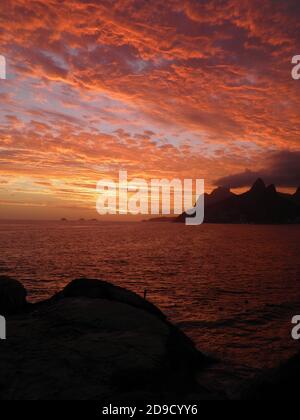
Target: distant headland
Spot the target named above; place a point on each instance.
(260, 205)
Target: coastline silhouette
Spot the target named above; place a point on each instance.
(260, 205)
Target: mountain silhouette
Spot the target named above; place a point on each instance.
(258, 188)
(219, 194)
(260, 205)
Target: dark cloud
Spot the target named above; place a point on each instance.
(281, 168)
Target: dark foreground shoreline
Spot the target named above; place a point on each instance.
(97, 341)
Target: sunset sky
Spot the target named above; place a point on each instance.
(162, 89)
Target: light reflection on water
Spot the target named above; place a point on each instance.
(234, 289)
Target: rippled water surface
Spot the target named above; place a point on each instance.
(234, 289)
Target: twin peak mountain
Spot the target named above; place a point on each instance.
(259, 205)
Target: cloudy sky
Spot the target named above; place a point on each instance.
(177, 88)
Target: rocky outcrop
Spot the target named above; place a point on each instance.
(12, 296)
(281, 384)
(99, 289)
(96, 341)
(296, 196)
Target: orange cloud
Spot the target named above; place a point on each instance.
(158, 88)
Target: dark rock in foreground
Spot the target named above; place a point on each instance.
(95, 341)
(99, 289)
(12, 296)
(279, 384)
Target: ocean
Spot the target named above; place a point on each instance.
(232, 288)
